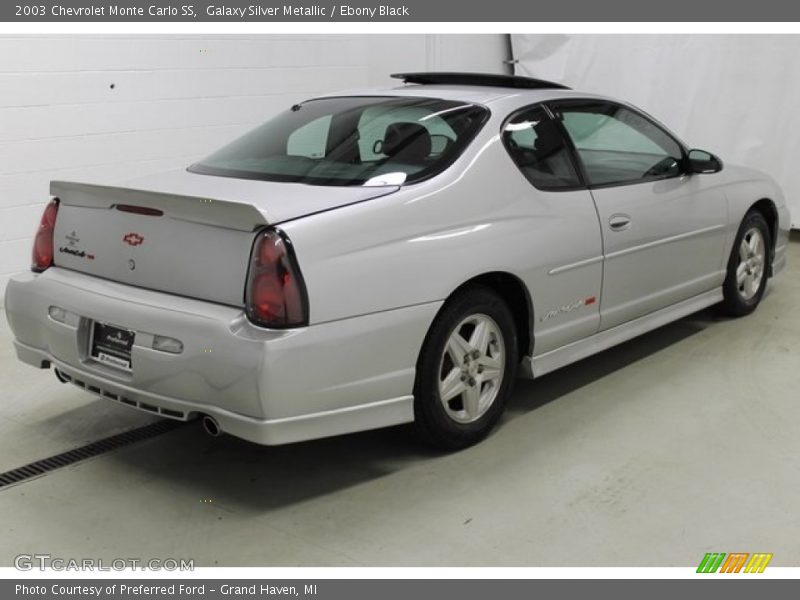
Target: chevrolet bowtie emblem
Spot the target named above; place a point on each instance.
(133, 239)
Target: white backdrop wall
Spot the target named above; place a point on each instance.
(735, 95)
(110, 108)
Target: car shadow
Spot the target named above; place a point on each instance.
(240, 475)
(532, 394)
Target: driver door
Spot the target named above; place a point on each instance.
(663, 231)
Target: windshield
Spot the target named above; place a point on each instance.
(350, 141)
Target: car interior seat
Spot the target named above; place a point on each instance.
(408, 143)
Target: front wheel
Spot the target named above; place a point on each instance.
(465, 370)
(748, 267)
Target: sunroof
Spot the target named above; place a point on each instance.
(481, 79)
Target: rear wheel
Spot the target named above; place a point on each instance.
(465, 370)
(747, 267)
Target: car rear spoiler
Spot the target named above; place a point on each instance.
(232, 215)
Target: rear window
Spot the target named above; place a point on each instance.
(349, 141)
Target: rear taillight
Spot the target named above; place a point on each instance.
(275, 295)
(43, 240)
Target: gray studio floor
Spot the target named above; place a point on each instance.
(684, 441)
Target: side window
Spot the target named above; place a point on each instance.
(310, 140)
(537, 147)
(618, 145)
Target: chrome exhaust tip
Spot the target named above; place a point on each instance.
(211, 426)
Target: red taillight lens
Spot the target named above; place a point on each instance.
(43, 240)
(276, 294)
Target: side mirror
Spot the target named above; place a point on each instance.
(701, 161)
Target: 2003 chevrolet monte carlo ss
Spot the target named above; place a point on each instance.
(389, 256)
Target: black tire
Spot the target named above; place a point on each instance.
(432, 420)
(736, 303)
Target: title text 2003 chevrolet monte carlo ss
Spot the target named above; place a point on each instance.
(389, 256)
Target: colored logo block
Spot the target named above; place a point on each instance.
(735, 562)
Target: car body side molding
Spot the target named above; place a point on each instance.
(537, 366)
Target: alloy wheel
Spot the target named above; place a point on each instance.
(752, 258)
(471, 369)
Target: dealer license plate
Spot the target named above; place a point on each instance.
(112, 346)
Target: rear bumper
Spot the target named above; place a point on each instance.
(267, 386)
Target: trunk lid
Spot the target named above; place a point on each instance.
(196, 243)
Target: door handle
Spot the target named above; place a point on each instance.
(619, 222)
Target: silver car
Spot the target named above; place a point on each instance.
(388, 256)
